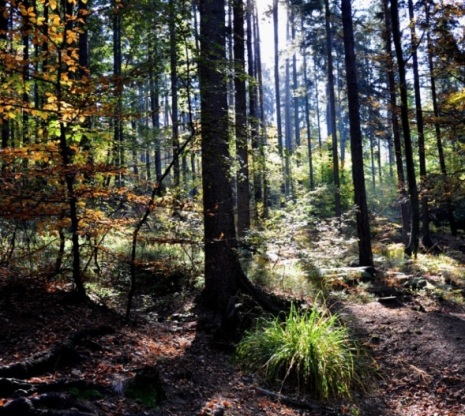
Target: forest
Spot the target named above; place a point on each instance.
(232, 207)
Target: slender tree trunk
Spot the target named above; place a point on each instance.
(155, 114)
(287, 123)
(243, 197)
(262, 120)
(4, 122)
(412, 248)
(253, 113)
(295, 98)
(437, 127)
(425, 231)
(69, 178)
(307, 117)
(332, 105)
(372, 160)
(363, 224)
(317, 108)
(117, 71)
(230, 43)
(393, 111)
(26, 77)
(174, 89)
(278, 92)
(378, 160)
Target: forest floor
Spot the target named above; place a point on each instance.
(416, 340)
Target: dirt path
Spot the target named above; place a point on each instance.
(418, 345)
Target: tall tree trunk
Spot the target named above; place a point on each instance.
(262, 120)
(287, 123)
(243, 197)
(69, 177)
(222, 267)
(425, 231)
(230, 43)
(363, 225)
(253, 113)
(412, 248)
(174, 89)
(4, 121)
(332, 111)
(278, 92)
(295, 97)
(155, 112)
(26, 77)
(117, 72)
(317, 107)
(437, 127)
(307, 116)
(403, 196)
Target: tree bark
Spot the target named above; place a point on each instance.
(117, 72)
(425, 231)
(174, 89)
(332, 111)
(393, 111)
(277, 83)
(363, 225)
(412, 248)
(254, 123)
(222, 267)
(307, 116)
(243, 194)
(437, 127)
(262, 142)
(4, 122)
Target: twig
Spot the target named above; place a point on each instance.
(297, 403)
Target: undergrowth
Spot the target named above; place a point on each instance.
(310, 350)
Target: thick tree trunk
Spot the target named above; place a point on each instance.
(363, 225)
(222, 267)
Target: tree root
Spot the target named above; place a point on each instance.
(50, 399)
(61, 355)
(297, 403)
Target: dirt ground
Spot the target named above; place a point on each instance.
(416, 342)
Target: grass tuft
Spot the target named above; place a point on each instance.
(309, 350)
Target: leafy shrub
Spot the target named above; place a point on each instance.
(309, 349)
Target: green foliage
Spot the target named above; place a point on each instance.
(310, 350)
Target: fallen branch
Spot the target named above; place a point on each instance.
(297, 403)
